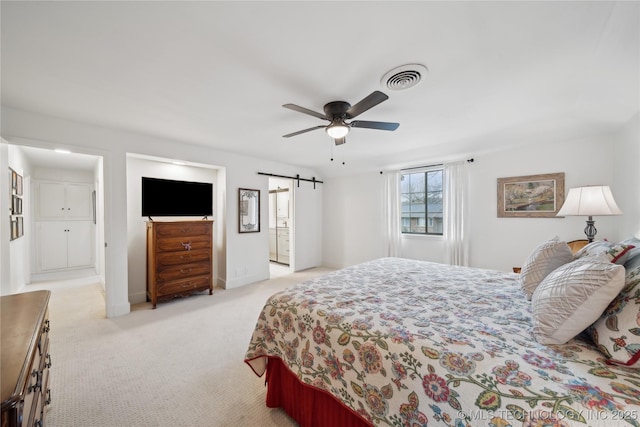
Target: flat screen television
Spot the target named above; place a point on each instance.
(165, 197)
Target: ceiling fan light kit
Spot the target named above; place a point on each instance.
(337, 129)
(337, 112)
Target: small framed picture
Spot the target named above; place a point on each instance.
(19, 184)
(14, 179)
(16, 205)
(14, 228)
(20, 226)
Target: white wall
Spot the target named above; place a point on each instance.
(627, 177)
(5, 232)
(136, 223)
(353, 223)
(100, 266)
(353, 219)
(19, 249)
(246, 255)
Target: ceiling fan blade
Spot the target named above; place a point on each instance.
(370, 101)
(303, 131)
(340, 141)
(374, 125)
(300, 109)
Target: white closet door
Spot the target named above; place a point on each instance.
(52, 239)
(78, 201)
(79, 244)
(51, 204)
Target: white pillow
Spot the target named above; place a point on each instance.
(574, 296)
(545, 258)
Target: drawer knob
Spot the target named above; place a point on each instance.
(186, 246)
(48, 362)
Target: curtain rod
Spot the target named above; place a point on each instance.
(422, 167)
(297, 177)
(431, 166)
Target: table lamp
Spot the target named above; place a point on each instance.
(589, 201)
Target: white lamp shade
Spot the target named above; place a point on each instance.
(592, 200)
(337, 130)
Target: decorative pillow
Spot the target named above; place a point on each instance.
(543, 260)
(617, 252)
(633, 257)
(632, 263)
(617, 332)
(573, 296)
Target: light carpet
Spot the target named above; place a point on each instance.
(178, 365)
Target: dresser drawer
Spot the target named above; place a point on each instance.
(33, 390)
(186, 243)
(177, 229)
(183, 271)
(186, 285)
(183, 257)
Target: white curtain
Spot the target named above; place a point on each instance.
(392, 214)
(455, 207)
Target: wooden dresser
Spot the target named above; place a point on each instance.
(179, 259)
(25, 358)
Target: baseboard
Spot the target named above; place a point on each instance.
(236, 282)
(65, 275)
(138, 298)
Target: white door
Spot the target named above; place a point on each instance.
(79, 244)
(51, 203)
(78, 201)
(52, 242)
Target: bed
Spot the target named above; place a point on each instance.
(412, 343)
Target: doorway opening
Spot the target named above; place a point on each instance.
(280, 226)
(63, 217)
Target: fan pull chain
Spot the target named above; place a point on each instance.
(333, 158)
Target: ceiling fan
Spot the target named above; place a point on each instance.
(337, 112)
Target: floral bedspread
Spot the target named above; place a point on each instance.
(414, 343)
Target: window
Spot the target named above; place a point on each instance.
(421, 200)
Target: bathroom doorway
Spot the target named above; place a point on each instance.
(280, 226)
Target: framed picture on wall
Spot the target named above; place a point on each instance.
(13, 178)
(19, 184)
(531, 196)
(248, 210)
(19, 226)
(14, 228)
(16, 205)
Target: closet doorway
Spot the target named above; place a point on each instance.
(280, 225)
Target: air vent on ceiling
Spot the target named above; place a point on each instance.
(403, 77)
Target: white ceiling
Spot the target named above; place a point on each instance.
(217, 73)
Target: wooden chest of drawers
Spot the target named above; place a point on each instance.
(25, 358)
(179, 259)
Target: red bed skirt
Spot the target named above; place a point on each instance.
(308, 406)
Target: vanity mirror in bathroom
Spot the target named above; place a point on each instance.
(249, 210)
